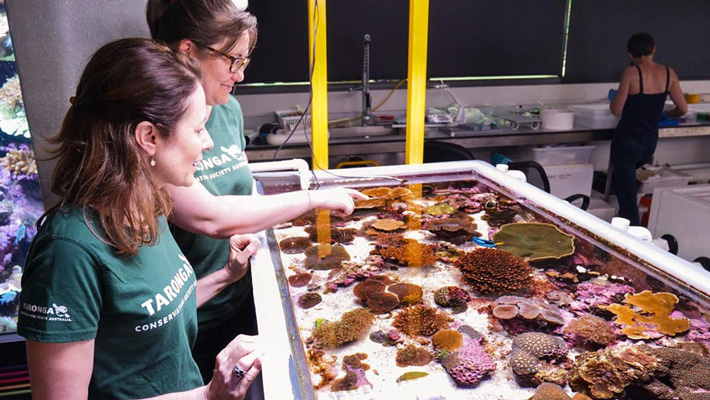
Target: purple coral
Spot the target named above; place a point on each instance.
(593, 294)
(469, 364)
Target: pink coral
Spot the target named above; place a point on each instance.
(469, 364)
(592, 294)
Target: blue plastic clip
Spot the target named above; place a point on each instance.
(484, 242)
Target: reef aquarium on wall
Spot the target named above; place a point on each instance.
(456, 281)
(20, 197)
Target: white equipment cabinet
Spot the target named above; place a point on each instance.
(684, 213)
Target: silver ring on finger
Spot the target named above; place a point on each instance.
(238, 372)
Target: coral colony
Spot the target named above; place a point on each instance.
(456, 287)
(20, 198)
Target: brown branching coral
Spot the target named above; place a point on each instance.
(605, 374)
(325, 256)
(652, 319)
(352, 326)
(494, 271)
(405, 252)
(589, 329)
(420, 320)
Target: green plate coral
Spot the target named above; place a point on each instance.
(534, 241)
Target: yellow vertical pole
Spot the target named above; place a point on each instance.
(319, 82)
(416, 80)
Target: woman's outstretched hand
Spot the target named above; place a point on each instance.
(338, 200)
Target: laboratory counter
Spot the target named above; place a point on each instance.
(505, 137)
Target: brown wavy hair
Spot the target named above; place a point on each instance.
(204, 22)
(100, 167)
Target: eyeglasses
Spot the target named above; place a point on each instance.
(235, 63)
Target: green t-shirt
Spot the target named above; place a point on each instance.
(223, 171)
(141, 310)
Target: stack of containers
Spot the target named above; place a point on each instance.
(568, 169)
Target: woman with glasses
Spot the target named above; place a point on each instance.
(109, 303)
(220, 37)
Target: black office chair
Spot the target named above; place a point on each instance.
(527, 166)
(438, 151)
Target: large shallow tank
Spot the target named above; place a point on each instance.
(457, 281)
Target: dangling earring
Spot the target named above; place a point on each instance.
(152, 162)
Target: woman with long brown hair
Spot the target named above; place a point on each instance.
(108, 302)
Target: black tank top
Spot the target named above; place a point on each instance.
(642, 112)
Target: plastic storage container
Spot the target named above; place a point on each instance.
(568, 179)
(601, 209)
(288, 119)
(557, 120)
(559, 155)
(596, 116)
(664, 177)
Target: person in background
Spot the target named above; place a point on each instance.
(109, 302)
(640, 99)
(221, 37)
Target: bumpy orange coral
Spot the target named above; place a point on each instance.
(494, 271)
(420, 320)
(352, 326)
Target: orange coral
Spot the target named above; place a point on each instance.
(447, 339)
(352, 326)
(407, 293)
(388, 225)
(494, 271)
(653, 317)
(406, 252)
(413, 355)
(420, 320)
